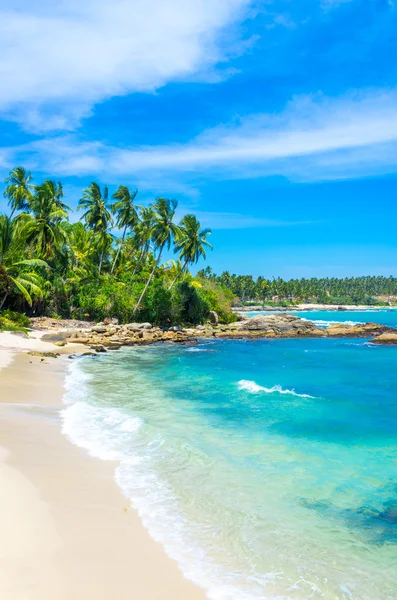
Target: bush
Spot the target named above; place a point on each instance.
(218, 298)
(188, 305)
(15, 317)
(157, 304)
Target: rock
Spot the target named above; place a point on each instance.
(360, 330)
(114, 345)
(386, 339)
(44, 354)
(175, 328)
(242, 317)
(60, 336)
(80, 340)
(60, 344)
(111, 321)
(283, 325)
(98, 347)
(137, 326)
(98, 329)
(88, 354)
(214, 319)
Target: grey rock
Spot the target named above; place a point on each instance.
(59, 336)
(98, 329)
(214, 317)
(111, 321)
(138, 326)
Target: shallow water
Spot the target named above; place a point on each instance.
(324, 318)
(268, 469)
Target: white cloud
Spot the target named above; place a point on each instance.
(313, 138)
(74, 54)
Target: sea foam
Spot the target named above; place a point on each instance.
(254, 388)
(110, 433)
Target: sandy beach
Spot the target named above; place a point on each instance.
(67, 531)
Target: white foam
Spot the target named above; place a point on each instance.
(254, 388)
(323, 323)
(111, 434)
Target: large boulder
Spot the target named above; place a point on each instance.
(389, 339)
(279, 324)
(138, 326)
(59, 336)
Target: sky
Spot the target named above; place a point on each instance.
(274, 121)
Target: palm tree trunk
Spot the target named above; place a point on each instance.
(149, 280)
(177, 275)
(101, 262)
(3, 300)
(119, 250)
(140, 258)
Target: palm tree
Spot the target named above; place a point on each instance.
(143, 232)
(14, 273)
(191, 242)
(127, 216)
(45, 226)
(97, 215)
(163, 230)
(19, 189)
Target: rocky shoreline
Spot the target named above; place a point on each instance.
(102, 337)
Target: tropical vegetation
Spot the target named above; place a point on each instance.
(114, 261)
(369, 290)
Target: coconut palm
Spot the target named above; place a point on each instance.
(163, 231)
(191, 243)
(15, 273)
(19, 189)
(97, 214)
(142, 233)
(127, 215)
(44, 227)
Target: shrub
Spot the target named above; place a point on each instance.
(188, 305)
(218, 298)
(16, 317)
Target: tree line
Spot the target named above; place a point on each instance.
(49, 265)
(329, 290)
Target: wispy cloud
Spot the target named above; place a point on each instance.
(313, 138)
(58, 59)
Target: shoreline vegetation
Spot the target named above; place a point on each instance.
(113, 264)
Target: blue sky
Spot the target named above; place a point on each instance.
(274, 121)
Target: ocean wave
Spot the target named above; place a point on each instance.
(254, 388)
(323, 323)
(110, 433)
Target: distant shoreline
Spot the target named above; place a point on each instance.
(312, 307)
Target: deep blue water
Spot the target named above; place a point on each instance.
(268, 469)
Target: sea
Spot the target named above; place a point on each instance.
(267, 469)
(325, 318)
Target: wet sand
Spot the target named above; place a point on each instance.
(67, 531)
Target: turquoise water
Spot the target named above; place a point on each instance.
(268, 469)
(323, 318)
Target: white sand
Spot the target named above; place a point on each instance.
(67, 533)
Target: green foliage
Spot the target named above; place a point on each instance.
(189, 306)
(16, 317)
(218, 298)
(158, 305)
(277, 292)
